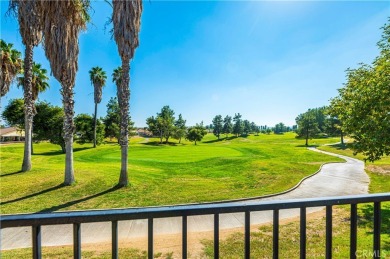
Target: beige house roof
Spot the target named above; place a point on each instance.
(11, 132)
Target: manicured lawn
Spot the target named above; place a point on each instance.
(159, 174)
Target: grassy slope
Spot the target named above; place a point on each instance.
(159, 174)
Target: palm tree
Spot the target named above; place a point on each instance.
(30, 28)
(62, 24)
(11, 64)
(126, 17)
(39, 83)
(98, 79)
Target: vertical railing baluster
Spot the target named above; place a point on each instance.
(36, 242)
(184, 237)
(353, 234)
(276, 234)
(76, 241)
(377, 229)
(114, 239)
(247, 234)
(150, 238)
(302, 235)
(216, 235)
(328, 252)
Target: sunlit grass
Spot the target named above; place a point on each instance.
(159, 174)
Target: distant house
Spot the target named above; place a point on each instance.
(11, 134)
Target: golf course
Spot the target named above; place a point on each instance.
(213, 170)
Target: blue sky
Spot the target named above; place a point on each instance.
(267, 60)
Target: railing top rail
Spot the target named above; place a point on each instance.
(69, 217)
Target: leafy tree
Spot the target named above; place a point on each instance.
(48, 120)
(166, 119)
(163, 124)
(227, 125)
(363, 104)
(238, 125)
(217, 125)
(307, 125)
(196, 133)
(13, 113)
(98, 79)
(11, 65)
(268, 131)
(48, 124)
(247, 127)
(255, 128)
(333, 125)
(85, 129)
(112, 120)
(280, 128)
(180, 128)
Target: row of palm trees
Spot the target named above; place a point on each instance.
(57, 24)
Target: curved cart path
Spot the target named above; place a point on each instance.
(334, 179)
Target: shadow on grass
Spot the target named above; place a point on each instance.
(220, 140)
(307, 146)
(340, 146)
(367, 219)
(33, 195)
(59, 152)
(13, 173)
(71, 203)
(157, 143)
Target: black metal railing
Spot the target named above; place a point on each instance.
(78, 217)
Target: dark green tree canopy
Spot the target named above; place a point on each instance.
(217, 125)
(196, 133)
(85, 127)
(307, 125)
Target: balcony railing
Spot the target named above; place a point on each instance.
(78, 217)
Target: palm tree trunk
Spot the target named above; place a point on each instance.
(28, 107)
(68, 102)
(94, 126)
(123, 99)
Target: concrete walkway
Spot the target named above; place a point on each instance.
(334, 179)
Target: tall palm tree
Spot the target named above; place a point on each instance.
(62, 24)
(39, 83)
(126, 18)
(98, 79)
(11, 64)
(30, 28)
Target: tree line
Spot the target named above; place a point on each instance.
(48, 121)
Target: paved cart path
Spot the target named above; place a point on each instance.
(334, 179)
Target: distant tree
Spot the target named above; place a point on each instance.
(85, 129)
(155, 127)
(307, 125)
(196, 133)
(217, 126)
(98, 79)
(268, 131)
(247, 127)
(166, 120)
(238, 125)
(180, 128)
(112, 120)
(227, 125)
(280, 128)
(255, 128)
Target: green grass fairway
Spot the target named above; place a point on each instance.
(159, 174)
